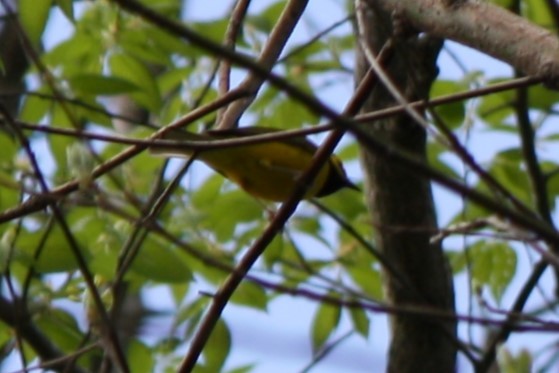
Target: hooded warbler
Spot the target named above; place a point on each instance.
(267, 170)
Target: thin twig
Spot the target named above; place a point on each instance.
(285, 25)
(114, 348)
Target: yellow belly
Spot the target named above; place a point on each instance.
(267, 171)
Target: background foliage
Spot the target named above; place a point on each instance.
(176, 259)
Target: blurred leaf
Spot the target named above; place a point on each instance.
(191, 313)
(349, 151)
(207, 193)
(346, 203)
(452, 114)
(457, 261)
(140, 357)
(62, 329)
(504, 3)
(265, 20)
(521, 363)
(56, 255)
(101, 85)
(495, 108)
(9, 196)
(140, 173)
(360, 321)
(325, 322)
(306, 224)
(213, 29)
(58, 145)
(368, 279)
(493, 264)
(170, 81)
(157, 262)
(274, 251)
(33, 16)
(165, 45)
(76, 55)
(538, 12)
(507, 168)
(540, 97)
(290, 114)
(218, 346)
(436, 159)
(67, 7)
(9, 149)
(251, 295)
(243, 369)
(34, 108)
(228, 210)
(137, 73)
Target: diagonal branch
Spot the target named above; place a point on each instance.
(486, 27)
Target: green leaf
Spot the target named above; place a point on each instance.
(457, 261)
(218, 347)
(9, 149)
(140, 357)
(267, 18)
(61, 328)
(368, 279)
(540, 97)
(208, 192)
(58, 144)
(436, 154)
(538, 12)
(191, 313)
(139, 173)
(503, 3)
(290, 114)
(170, 81)
(101, 85)
(229, 210)
(274, 251)
(157, 262)
(521, 363)
(10, 191)
(346, 203)
(307, 224)
(251, 295)
(213, 30)
(77, 55)
(136, 72)
(452, 114)
(507, 168)
(34, 108)
(324, 324)
(67, 7)
(493, 264)
(495, 108)
(243, 369)
(33, 15)
(360, 321)
(55, 253)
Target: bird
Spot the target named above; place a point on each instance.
(267, 170)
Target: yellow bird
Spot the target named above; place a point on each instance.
(267, 170)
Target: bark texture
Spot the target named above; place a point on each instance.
(402, 207)
(487, 27)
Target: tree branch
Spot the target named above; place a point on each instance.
(486, 27)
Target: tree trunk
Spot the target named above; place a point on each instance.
(402, 206)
